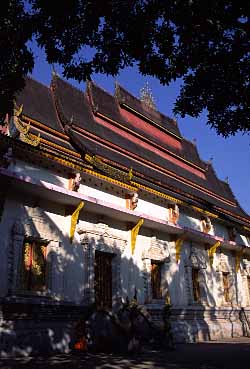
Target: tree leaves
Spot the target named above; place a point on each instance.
(205, 43)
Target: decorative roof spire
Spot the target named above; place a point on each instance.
(54, 72)
(146, 96)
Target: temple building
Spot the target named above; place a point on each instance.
(103, 201)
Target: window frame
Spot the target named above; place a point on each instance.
(159, 265)
(226, 289)
(33, 243)
(22, 230)
(196, 285)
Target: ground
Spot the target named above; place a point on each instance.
(227, 354)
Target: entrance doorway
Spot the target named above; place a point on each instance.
(103, 279)
(156, 269)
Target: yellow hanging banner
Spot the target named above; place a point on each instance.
(178, 246)
(212, 251)
(238, 257)
(74, 219)
(134, 234)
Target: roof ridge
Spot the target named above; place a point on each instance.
(55, 76)
(235, 198)
(223, 182)
(203, 162)
(101, 88)
(36, 81)
(153, 111)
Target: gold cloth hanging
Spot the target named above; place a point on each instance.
(212, 251)
(74, 219)
(134, 233)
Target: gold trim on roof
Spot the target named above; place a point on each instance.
(134, 186)
(113, 172)
(158, 193)
(151, 165)
(212, 215)
(30, 139)
(23, 128)
(88, 171)
(171, 153)
(45, 127)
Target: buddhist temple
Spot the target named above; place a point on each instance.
(104, 201)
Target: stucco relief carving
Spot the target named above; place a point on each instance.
(99, 237)
(39, 225)
(132, 201)
(197, 260)
(74, 182)
(246, 267)
(173, 213)
(245, 274)
(206, 224)
(226, 264)
(157, 251)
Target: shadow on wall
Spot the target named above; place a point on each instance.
(36, 322)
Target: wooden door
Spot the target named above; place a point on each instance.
(196, 284)
(156, 280)
(225, 277)
(103, 279)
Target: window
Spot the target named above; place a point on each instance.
(225, 277)
(196, 284)
(33, 270)
(248, 287)
(103, 279)
(156, 280)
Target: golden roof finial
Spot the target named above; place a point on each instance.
(146, 96)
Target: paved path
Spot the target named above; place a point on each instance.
(230, 354)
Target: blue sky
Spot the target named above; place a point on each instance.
(231, 156)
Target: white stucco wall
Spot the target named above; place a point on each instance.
(69, 267)
(188, 221)
(38, 173)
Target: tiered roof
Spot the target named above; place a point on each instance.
(124, 133)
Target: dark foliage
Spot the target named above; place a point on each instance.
(15, 59)
(206, 43)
